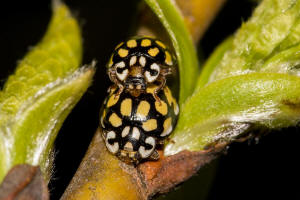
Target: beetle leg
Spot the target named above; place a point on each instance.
(154, 155)
(161, 142)
(162, 81)
(112, 76)
(120, 90)
(166, 72)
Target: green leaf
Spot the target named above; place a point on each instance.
(272, 28)
(36, 125)
(225, 109)
(39, 95)
(248, 82)
(286, 61)
(171, 18)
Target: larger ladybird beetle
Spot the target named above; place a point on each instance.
(140, 110)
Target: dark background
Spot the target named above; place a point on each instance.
(265, 169)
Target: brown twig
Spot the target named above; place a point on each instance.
(101, 173)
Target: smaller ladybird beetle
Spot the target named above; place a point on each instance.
(140, 110)
(139, 62)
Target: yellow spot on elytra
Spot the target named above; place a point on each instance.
(151, 88)
(123, 52)
(167, 127)
(161, 107)
(113, 99)
(143, 109)
(102, 118)
(126, 107)
(171, 100)
(103, 114)
(115, 120)
(112, 89)
(131, 43)
(119, 45)
(168, 59)
(145, 43)
(150, 125)
(153, 51)
(168, 95)
(110, 62)
(160, 44)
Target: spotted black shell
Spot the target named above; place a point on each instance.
(152, 49)
(133, 126)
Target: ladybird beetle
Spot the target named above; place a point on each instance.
(140, 110)
(138, 62)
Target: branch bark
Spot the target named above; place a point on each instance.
(103, 176)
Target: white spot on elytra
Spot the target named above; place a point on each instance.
(146, 153)
(111, 135)
(132, 60)
(125, 131)
(112, 148)
(136, 133)
(120, 65)
(167, 132)
(122, 75)
(155, 66)
(142, 61)
(148, 75)
(151, 141)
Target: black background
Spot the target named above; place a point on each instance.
(267, 169)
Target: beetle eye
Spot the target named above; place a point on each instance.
(122, 72)
(152, 74)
